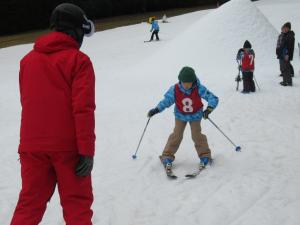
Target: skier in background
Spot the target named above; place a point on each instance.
(154, 29)
(164, 19)
(278, 50)
(246, 57)
(57, 140)
(187, 95)
(285, 53)
(290, 36)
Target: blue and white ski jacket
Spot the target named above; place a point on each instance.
(154, 26)
(204, 93)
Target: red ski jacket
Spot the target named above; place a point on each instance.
(57, 89)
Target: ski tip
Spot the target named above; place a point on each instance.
(238, 148)
(190, 176)
(134, 156)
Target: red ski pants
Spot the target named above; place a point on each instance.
(40, 173)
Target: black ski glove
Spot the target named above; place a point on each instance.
(152, 112)
(240, 51)
(238, 78)
(207, 111)
(84, 166)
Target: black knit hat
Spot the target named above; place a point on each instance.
(187, 74)
(288, 25)
(247, 44)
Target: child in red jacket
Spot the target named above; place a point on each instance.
(246, 56)
(57, 140)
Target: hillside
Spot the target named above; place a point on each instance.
(259, 185)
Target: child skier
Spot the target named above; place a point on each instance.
(154, 29)
(245, 57)
(187, 95)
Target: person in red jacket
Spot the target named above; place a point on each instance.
(57, 139)
(245, 57)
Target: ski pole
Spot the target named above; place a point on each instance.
(237, 148)
(134, 155)
(256, 82)
(238, 78)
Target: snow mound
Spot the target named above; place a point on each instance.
(211, 43)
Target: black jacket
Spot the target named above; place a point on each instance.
(279, 46)
(290, 39)
(285, 45)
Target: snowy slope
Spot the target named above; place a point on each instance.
(289, 11)
(260, 185)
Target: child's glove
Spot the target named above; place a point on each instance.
(152, 112)
(84, 166)
(240, 51)
(207, 111)
(238, 78)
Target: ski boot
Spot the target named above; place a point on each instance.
(204, 161)
(167, 162)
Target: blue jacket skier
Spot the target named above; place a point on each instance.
(154, 29)
(187, 96)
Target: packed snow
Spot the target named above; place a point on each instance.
(259, 185)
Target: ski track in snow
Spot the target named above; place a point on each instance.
(259, 185)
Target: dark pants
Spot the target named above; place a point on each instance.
(281, 64)
(286, 70)
(292, 69)
(155, 32)
(248, 81)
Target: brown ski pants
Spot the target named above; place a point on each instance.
(175, 139)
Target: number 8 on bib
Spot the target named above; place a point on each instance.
(187, 104)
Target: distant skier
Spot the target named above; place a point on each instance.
(290, 35)
(285, 53)
(187, 95)
(278, 50)
(57, 139)
(245, 57)
(164, 19)
(154, 29)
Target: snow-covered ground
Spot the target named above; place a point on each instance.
(260, 185)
